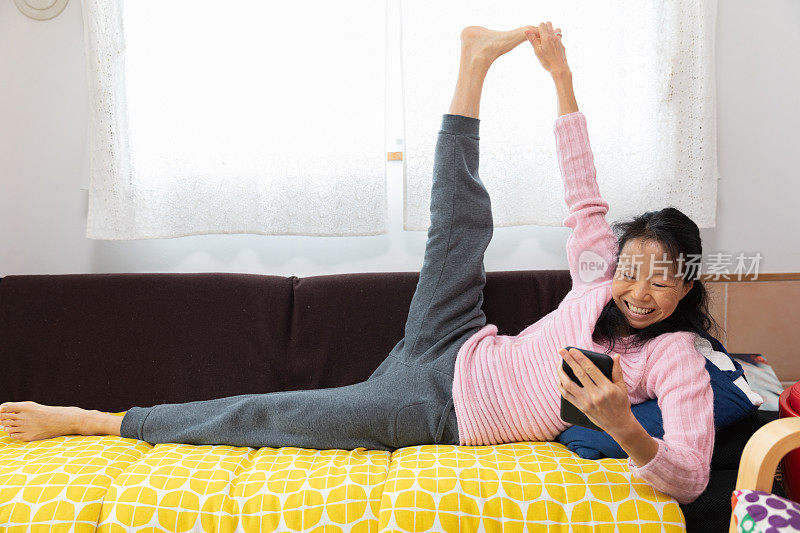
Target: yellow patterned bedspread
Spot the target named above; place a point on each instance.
(112, 484)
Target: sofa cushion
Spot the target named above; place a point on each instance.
(120, 484)
(123, 484)
(61, 481)
(111, 341)
(180, 487)
(504, 487)
(121, 340)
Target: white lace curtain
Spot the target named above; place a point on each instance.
(644, 77)
(240, 116)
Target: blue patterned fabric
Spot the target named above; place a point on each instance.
(731, 404)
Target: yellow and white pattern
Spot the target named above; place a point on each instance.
(524, 486)
(178, 487)
(112, 484)
(55, 484)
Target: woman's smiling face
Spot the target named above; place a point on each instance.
(646, 279)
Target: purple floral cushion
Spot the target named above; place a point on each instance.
(756, 511)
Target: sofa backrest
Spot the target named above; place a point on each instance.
(112, 341)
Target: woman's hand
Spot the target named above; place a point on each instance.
(548, 48)
(604, 402)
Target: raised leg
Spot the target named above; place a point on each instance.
(403, 407)
(446, 306)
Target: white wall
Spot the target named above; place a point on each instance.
(43, 108)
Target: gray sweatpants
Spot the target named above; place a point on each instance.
(408, 400)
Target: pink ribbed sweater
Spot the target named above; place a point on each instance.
(506, 387)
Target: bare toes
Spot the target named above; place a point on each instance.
(16, 407)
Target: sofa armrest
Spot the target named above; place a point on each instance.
(762, 454)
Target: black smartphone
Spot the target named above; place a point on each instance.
(570, 413)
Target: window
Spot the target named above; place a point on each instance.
(644, 78)
(236, 117)
(213, 117)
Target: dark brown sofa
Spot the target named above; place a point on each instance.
(112, 341)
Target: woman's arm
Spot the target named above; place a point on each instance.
(551, 54)
(680, 463)
(587, 209)
(566, 95)
(592, 246)
(635, 440)
(676, 374)
(606, 404)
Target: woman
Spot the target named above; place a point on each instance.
(452, 379)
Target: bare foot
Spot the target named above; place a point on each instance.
(30, 421)
(482, 43)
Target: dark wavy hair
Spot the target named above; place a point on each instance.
(677, 234)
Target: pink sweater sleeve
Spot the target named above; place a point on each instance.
(676, 375)
(591, 241)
